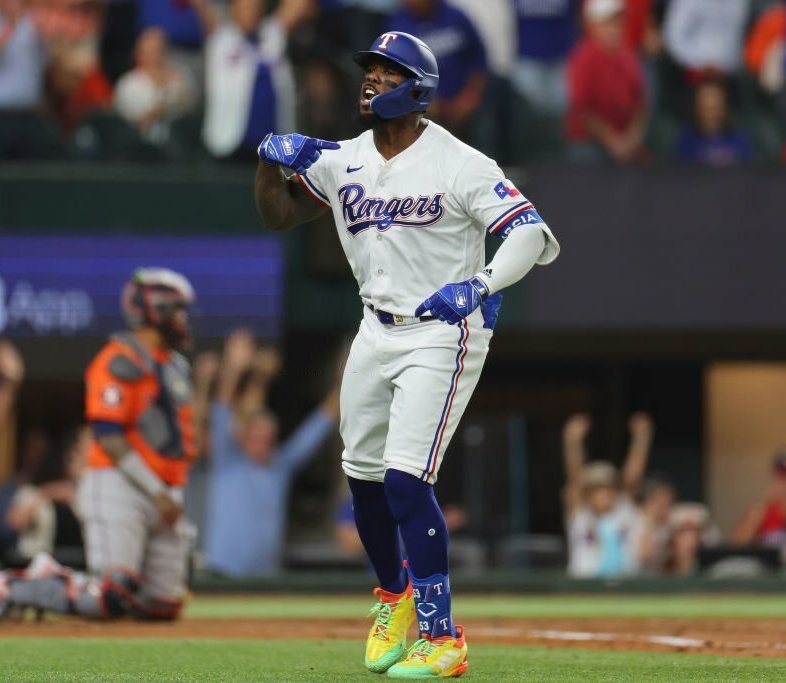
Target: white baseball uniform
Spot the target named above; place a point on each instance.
(410, 225)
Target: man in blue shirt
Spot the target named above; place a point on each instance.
(460, 54)
(22, 62)
(547, 30)
(251, 474)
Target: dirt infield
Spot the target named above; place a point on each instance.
(740, 637)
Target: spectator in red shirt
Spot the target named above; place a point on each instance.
(607, 104)
(764, 522)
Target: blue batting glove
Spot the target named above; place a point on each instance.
(294, 151)
(490, 310)
(455, 301)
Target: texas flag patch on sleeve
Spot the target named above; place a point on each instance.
(504, 190)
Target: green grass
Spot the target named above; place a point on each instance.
(759, 606)
(337, 660)
(97, 659)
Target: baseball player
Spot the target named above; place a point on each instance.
(130, 499)
(412, 205)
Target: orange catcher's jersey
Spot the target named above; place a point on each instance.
(148, 396)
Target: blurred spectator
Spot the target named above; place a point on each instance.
(460, 55)
(706, 36)
(43, 512)
(76, 83)
(607, 111)
(249, 88)
(604, 527)
(547, 31)
(764, 522)
(178, 19)
(156, 91)
(691, 529)
(22, 59)
(642, 32)
(323, 108)
(12, 371)
(495, 21)
(77, 86)
(657, 503)
(712, 140)
(765, 51)
(251, 473)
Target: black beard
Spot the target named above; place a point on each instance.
(366, 122)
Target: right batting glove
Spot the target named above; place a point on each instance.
(294, 151)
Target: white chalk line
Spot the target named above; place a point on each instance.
(595, 636)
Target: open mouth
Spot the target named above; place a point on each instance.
(367, 93)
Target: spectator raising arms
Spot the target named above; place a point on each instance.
(706, 36)
(251, 473)
(156, 91)
(604, 527)
(607, 111)
(460, 54)
(249, 89)
(712, 140)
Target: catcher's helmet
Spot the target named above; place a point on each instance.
(416, 57)
(160, 298)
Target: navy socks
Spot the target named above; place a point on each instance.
(425, 536)
(379, 532)
(406, 505)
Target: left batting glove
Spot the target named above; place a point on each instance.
(294, 151)
(455, 301)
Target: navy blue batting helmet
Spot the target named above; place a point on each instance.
(414, 56)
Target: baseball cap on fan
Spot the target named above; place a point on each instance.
(600, 10)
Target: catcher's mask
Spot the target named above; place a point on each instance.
(160, 298)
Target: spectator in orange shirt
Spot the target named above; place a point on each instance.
(607, 108)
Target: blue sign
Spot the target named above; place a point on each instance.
(69, 286)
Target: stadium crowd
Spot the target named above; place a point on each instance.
(624, 521)
(592, 81)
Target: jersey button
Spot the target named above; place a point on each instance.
(379, 237)
(380, 271)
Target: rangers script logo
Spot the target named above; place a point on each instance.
(362, 213)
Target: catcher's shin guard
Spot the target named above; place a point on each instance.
(118, 591)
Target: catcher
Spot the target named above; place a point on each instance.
(130, 499)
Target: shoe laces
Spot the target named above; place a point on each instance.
(421, 649)
(382, 612)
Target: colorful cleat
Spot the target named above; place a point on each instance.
(444, 657)
(387, 641)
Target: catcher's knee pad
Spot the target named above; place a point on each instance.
(119, 590)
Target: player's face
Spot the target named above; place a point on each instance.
(381, 76)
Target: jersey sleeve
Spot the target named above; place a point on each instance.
(318, 180)
(494, 202)
(109, 397)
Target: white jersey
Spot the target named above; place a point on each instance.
(413, 223)
(612, 540)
